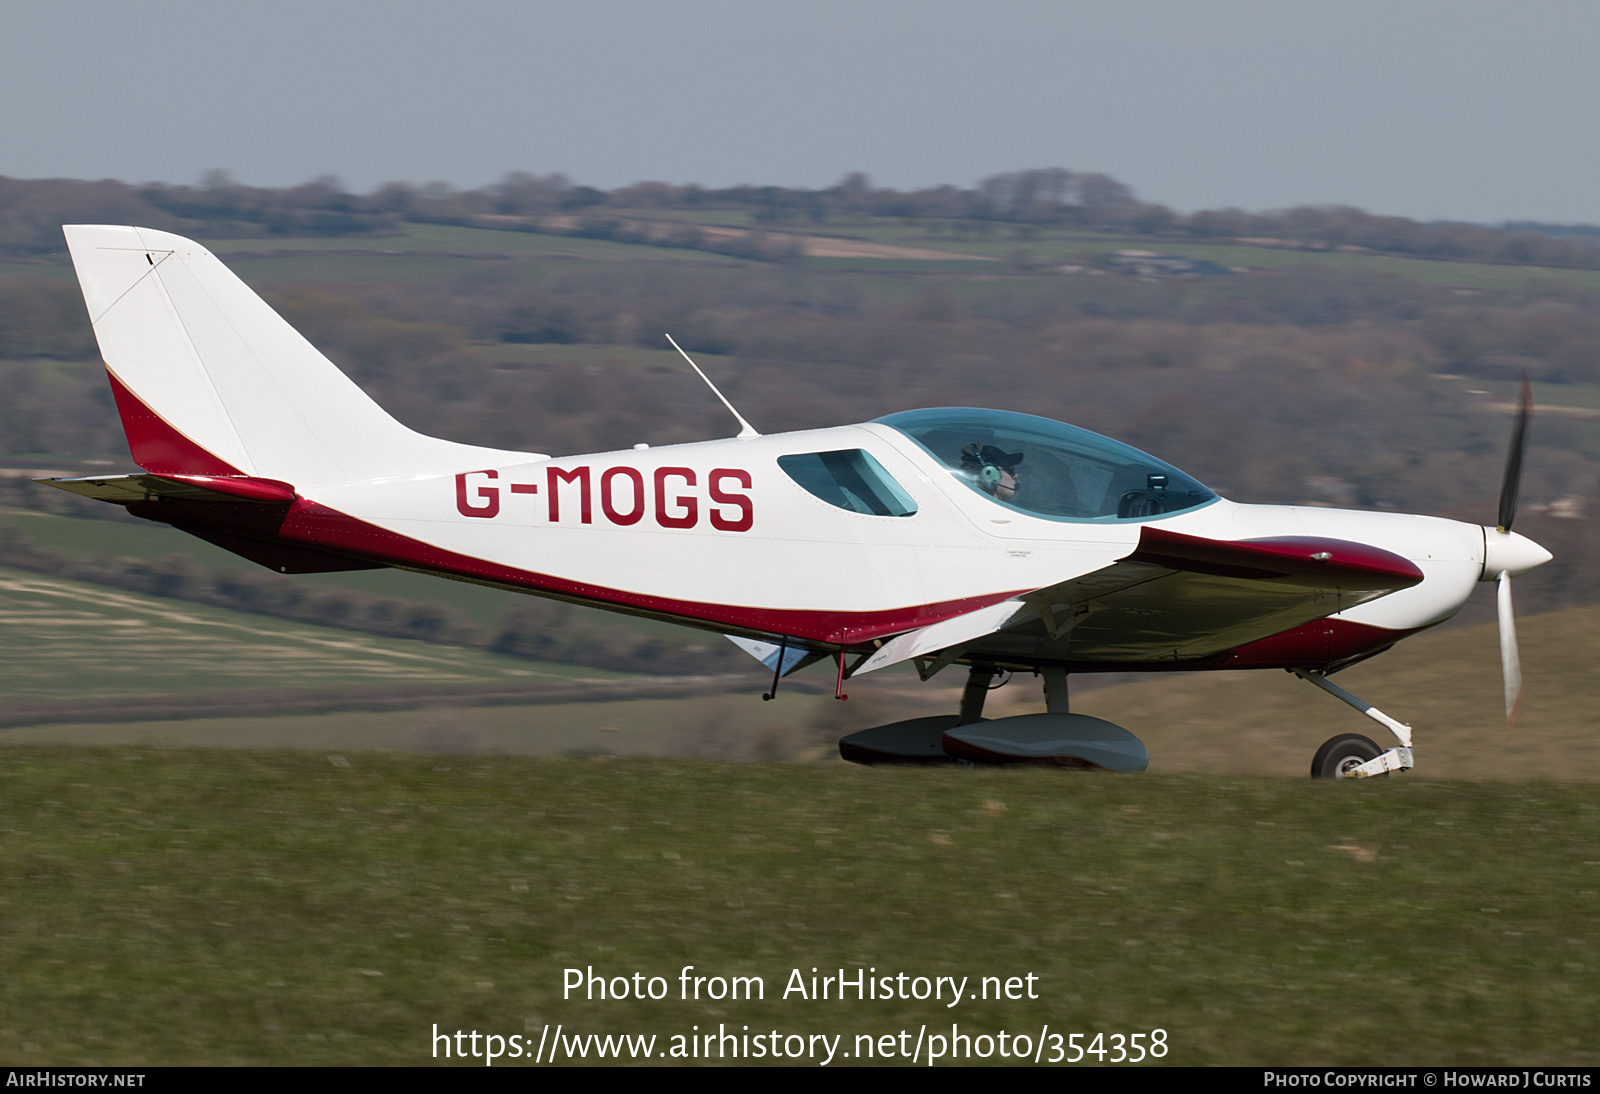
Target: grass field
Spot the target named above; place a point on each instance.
(301, 908)
(382, 872)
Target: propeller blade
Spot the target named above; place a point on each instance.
(1513, 478)
(1510, 663)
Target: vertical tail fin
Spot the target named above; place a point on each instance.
(210, 380)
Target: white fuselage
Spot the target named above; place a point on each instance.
(719, 523)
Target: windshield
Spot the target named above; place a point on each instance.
(1047, 468)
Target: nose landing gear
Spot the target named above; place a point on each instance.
(1350, 755)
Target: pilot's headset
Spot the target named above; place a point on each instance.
(989, 465)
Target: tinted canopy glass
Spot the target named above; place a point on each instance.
(850, 479)
(1048, 468)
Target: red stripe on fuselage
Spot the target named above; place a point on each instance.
(316, 525)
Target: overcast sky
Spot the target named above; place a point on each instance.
(1461, 110)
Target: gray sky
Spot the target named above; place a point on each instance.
(1464, 109)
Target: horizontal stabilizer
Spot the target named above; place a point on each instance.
(191, 499)
(126, 489)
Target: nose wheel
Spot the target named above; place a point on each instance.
(1339, 756)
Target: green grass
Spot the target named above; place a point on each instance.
(729, 726)
(295, 908)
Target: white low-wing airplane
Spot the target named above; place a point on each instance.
(995, 540)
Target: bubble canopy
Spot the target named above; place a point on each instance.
(1047, 468)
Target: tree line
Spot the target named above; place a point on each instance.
(32, 211)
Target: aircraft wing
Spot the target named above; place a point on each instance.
(1174, 598)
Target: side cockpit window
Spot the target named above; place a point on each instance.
(850, 479)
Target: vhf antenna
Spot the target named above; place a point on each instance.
(746, 430)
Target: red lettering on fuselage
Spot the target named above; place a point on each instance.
(608, 502)
(624, 498)
(580, 475)
(688, 503)
(489, 495)
(746, 516)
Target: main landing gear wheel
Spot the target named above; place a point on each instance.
(1340, 755)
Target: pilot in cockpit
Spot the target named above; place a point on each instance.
(993, 470)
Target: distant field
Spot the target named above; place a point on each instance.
(1509, 392)
(76, 537)
(600, 356)
(306, 908)
(57, 268)
(904, 265)
(1050, 245)
(369, 269)
(1045, 246)
(427, 252)
(64, 639)
(443, 239)
(150, 541)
